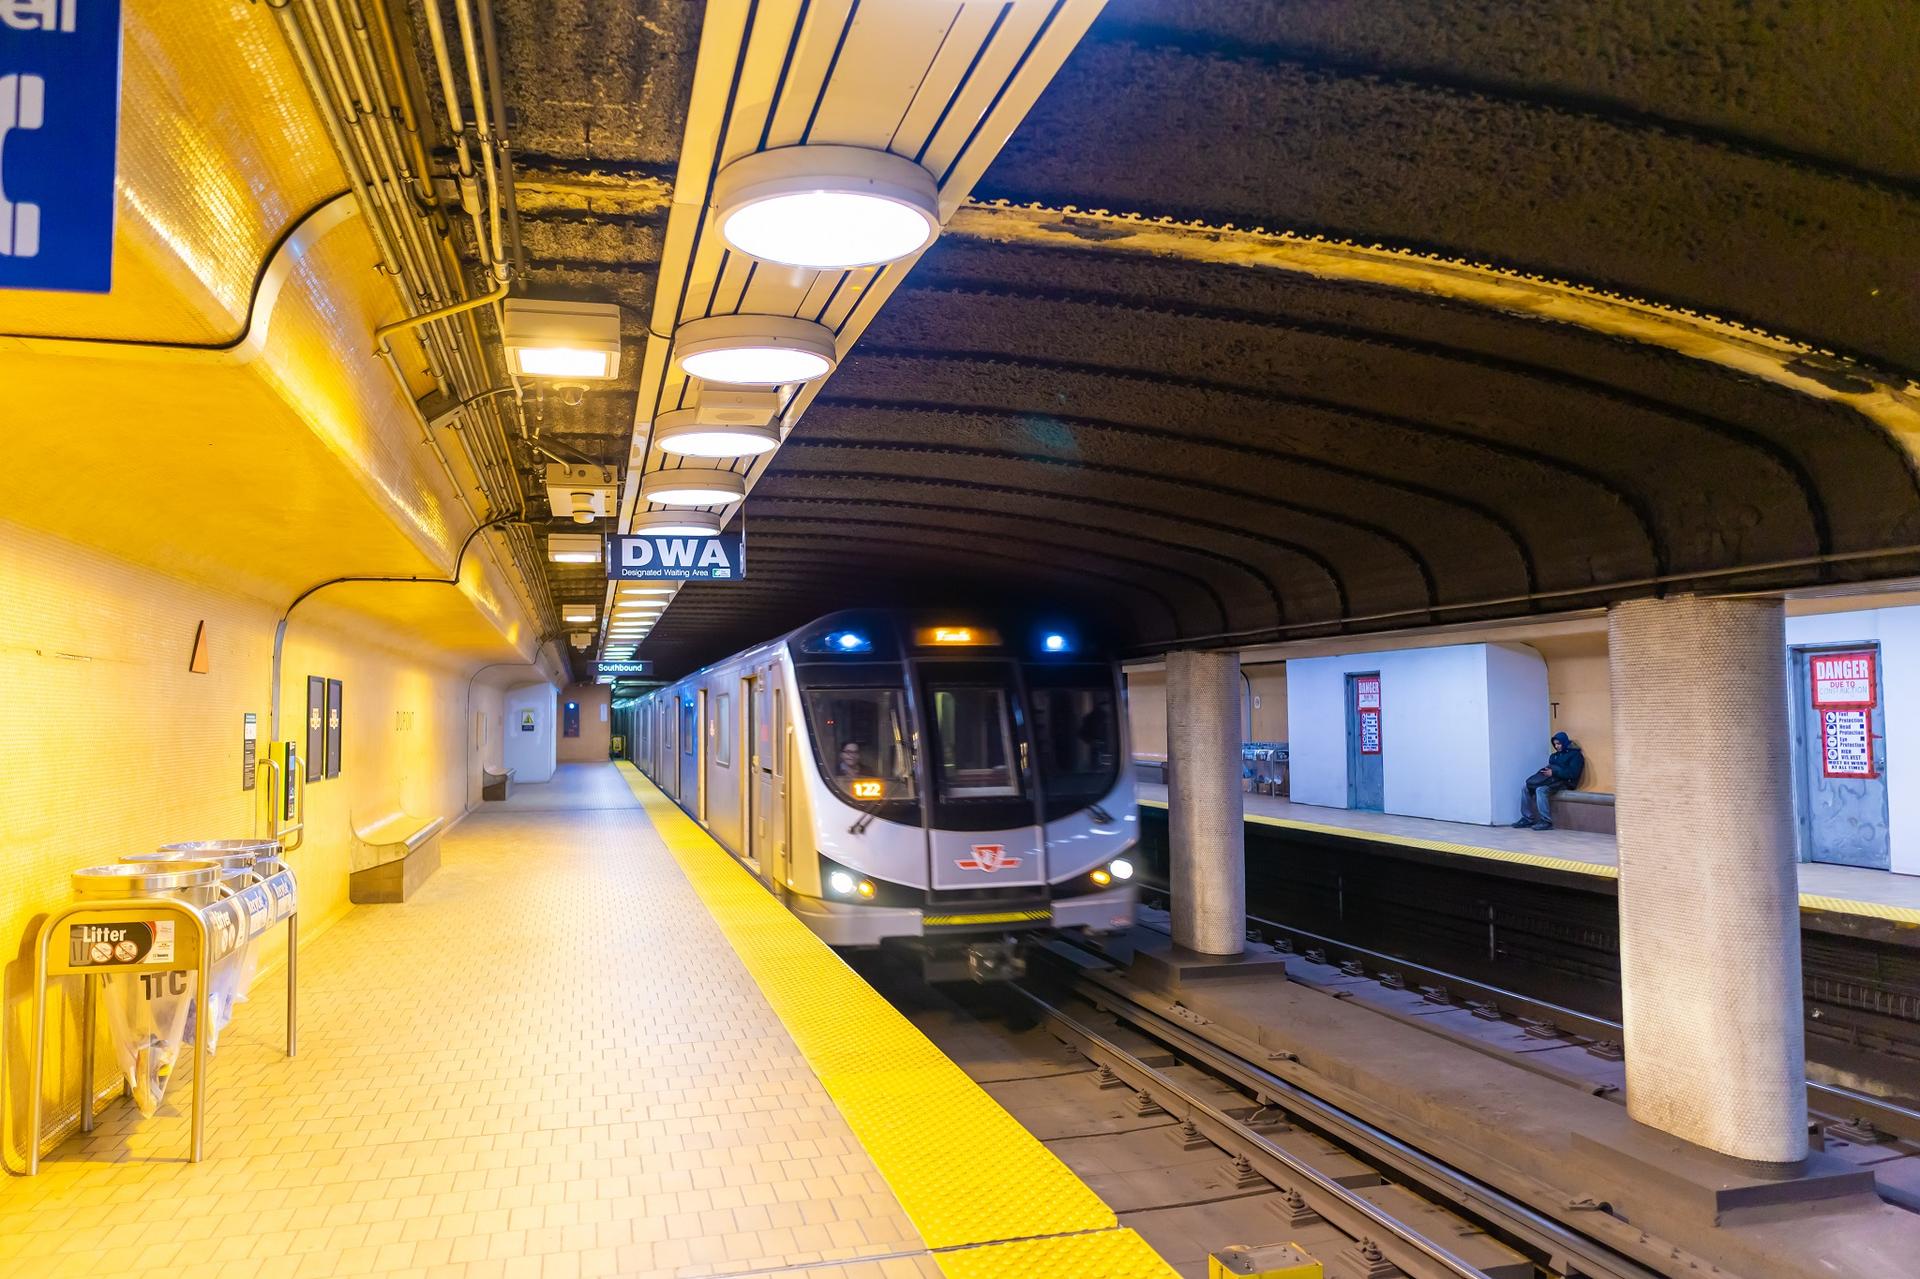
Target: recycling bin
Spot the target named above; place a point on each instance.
(147, 1012)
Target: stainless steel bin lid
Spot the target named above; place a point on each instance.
(255, 847)
(144, 878)
(230, 864)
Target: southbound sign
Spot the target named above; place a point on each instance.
(624, 668)
(653, 558)
(59, 125)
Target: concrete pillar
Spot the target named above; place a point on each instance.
(1206, 837)
(1709, 900)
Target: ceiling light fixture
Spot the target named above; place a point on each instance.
(693, 486)
(578, 613)
(681, 431)
(670, 524)
(827, 207)
(754, 350)
(575, 341)
(573, 548)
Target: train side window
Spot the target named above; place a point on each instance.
(722, 729)
(974, 742)
(1077, 734)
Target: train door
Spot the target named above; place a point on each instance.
(752, 799)
(985, 832)
(700, 723)
(1840, 756)
(1366, 773)
(774, 759)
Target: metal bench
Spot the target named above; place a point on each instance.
(1588, 810)
(393, 856)
(496, 785)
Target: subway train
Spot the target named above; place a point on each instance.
(953, 785)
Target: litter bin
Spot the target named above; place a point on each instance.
(147, 1012)
(243, 865)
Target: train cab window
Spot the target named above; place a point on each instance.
(974, 755)
(1076, 734)
(860, 738)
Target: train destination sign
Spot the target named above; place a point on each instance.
(654, 558)
(624, 668)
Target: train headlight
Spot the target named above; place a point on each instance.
(841, 882)
(1121, 868)
(866, 888)
(1102, 878)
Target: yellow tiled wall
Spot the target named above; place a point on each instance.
(109, 745)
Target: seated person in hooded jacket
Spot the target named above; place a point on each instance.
(1562, 772)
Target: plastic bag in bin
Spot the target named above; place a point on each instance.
(147, 1020)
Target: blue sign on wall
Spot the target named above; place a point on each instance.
(59, 127)
(651, 558)
(624, 668)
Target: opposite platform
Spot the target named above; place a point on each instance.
(557, 1061)
(1842, 890)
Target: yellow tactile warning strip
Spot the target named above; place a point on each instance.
(970, 1178)
(1808, 901)
(1110, 1254)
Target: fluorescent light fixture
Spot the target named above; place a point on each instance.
(630, 589)
(573, 548)
(578, 613)
(754, 350)
(693, 486)
(671, 524)
(827, 207)
(682, 432)
(572, 341)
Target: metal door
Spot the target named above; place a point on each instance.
(700, 756)
(753, 794)
(1840, 756)
(1366, 746)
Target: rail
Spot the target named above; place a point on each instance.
(1506, 1215)
(1830, 1102)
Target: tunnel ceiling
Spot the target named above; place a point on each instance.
(1185, 449)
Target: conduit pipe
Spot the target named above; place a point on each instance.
(344, 73)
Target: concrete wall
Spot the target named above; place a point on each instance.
(110, 745)
(1264, 711)
(1456, 722)
(531, 752)
(595, 743)
(1897, 630)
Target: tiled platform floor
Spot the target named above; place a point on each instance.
(1840, 884)
(550, 1063)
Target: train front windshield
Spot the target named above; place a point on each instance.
(1076, 734)
(860, 734)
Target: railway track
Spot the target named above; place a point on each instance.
(1856, 1114)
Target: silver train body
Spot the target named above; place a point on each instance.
(953, 785)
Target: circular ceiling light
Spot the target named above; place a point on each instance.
(682, 432)
(669, 524)
(827, 207)
(754, 350)
(692, 486)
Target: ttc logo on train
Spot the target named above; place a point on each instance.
(988, 857)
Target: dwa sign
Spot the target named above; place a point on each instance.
(652, 558)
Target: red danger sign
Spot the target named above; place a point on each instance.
(1844, 679)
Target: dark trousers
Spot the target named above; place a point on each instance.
(1536, 791)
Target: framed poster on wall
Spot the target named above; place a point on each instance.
(316, 727)
(333, 728)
